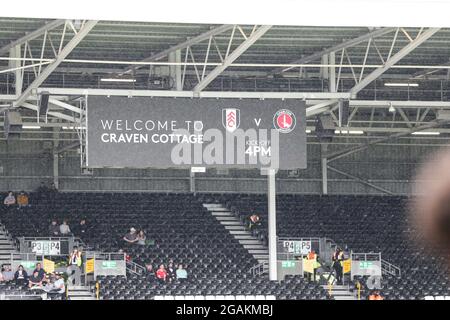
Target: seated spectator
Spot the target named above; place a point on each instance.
(22, 200)
(9, 200)
(7, 273)
(131, 237)
(150, 273)
(161, 274)
(254, 221)
(40, 271)
(141, 238)
(21, 275)
(54, 228)
(57, 287)
(35, 281)
(171, 273)
(181, 273)
(64, 229)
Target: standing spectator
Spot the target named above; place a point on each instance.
(75, 258)
(21, 275)
(131, 237)
(161, 274)
(181, 273)
(82, 227)
(54, 228)
(35, 281)
(22, 200)
(64, 228)
(141, 238)
(9, 200)
(337, 258)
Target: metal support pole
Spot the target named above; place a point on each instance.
(323, 150)
(192, 182)
(272, 225)
(15, 52)
(332, 72)
(56, 156)
(175, 71)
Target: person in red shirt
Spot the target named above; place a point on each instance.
(161, 274)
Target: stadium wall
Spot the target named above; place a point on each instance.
(24, 164)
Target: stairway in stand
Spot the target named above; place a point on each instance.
(340, 292)
(79, 293)
(235, 227)
(6, 246)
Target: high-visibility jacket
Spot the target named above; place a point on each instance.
(76, 259)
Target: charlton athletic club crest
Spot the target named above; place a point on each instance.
(230, 119)
(284, 121)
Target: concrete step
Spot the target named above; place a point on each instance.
(212, 205)
(340, 293)
(258, 252)
(231, 223)
(227, 218)
(221, 209)
(344, 298)
(262, 260)
(240, 232)
(82, 298)
(261, 257)
(219, 214)
(235, 227)
(79, 294)
(245, 237)
(250, 241)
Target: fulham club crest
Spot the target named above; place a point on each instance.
(230, 119)
(284, 121)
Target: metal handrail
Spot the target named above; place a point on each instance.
(260, 269)
(135, 268)
(389, 268)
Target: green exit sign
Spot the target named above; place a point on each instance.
(109, 264)
(365, 264)
(28, 264)
(288, 264)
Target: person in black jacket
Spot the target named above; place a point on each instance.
(21, 276)
(338, 256)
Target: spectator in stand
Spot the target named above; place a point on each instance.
(54, 229)
(150, 273)
(64, 228)
(21, 276)
(254, 221)
(1, 275)
(131, 237)
(57, 287)
(161, 274)
(171, 273)
(141, 238)
(35, 282)
(127, 256)
(181, 273)
(42, 188)
(376, 296)
(7, 273)
(76, 258)
(53, 187)
(40, 271)
(337, 259)
(82, 227)
(9, 200)
(22, 200)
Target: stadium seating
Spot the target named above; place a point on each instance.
(364, 224)
(183, 230)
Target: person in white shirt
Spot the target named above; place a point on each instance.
(10, 200)
(64, 228)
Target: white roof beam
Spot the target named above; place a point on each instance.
(32, 35)
(202, 37)
(393, 60)
(232, 57)
(60, 58)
